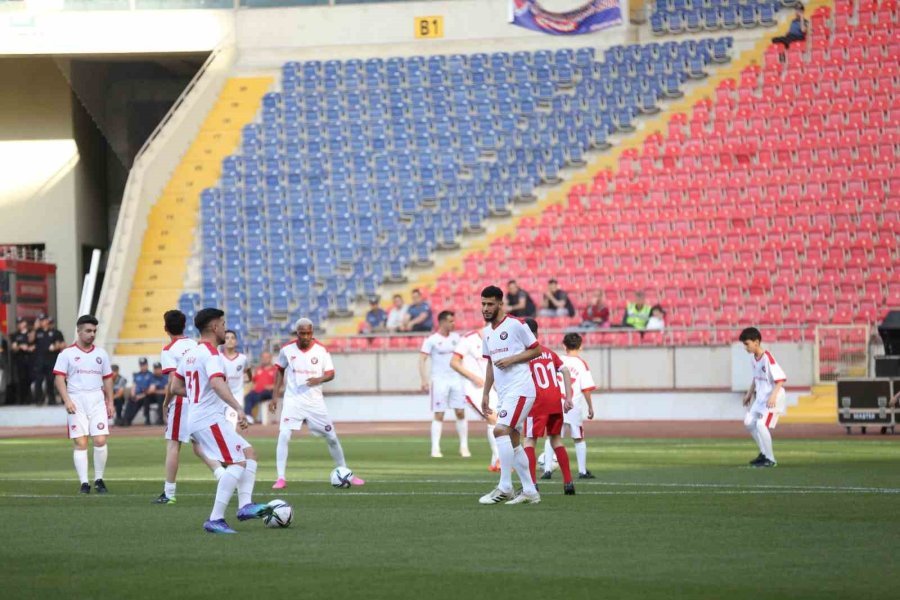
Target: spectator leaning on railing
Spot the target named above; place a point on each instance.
(596, 314)
(518, 301)
(637, 313)
(557, 302)
(397, 315)
(376, 318)
(418, 314)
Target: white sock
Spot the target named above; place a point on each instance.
(548, 456)
(100, 454)
(462, 428)
(750, 423)
(523, 469)
(81, 465)
(507, 462)
(217, 473)
(765, 439)
(281, 452)
(225, 490)
(436, 427)
(334, 448)
(492, 442)
(581, 455)
(245, 485)
(169, 489)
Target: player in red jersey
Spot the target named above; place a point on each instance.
(546, 417)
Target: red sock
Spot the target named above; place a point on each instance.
(562, 457)
(532, 461)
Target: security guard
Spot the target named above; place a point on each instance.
(22, 350)
(143, 379)
(637, 313)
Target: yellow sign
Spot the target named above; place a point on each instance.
(428, 27)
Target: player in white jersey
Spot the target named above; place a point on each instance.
(468, 362)
(303, 366)
(583, 405)
(237, 373)
(175, 409)
(200, 378)
(444, 385)
(765, 398)
(84, 381)
(508, 345)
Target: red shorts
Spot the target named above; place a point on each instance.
(537, 426)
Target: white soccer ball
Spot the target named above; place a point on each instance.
(541, 459)
(341, 476)
(282, 514)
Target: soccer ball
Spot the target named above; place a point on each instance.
(282, 515)
(340, 477)
(543, 457)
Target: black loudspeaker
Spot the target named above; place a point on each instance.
(889, 330)
(887, 366)
(863, 402)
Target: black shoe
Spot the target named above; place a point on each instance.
(758, 459)
(100, 486)
(765, 463)
(537, 488)
(547, 475)
(586, 475)
(569, 489)
(85, 488)
(162, 499)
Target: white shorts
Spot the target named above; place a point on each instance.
(575, 420)
(231, 416)
(177, 426)
(769, 417)
(474, 396)
(447, 395)
(220, 442)
(293, 415)
(90, 418)
(513, 410)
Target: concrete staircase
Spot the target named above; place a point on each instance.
(819, 406)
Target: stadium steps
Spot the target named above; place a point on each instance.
(819, 406)
(162, 267)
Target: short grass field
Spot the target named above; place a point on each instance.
(664, 519)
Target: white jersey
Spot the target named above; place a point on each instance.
(172, 355)
(766, 373)
(510, 337)
(470, 351)
(440, 348)
(84, 370)
(199, 367)
(235, 369)
(299, 365)
(582, 380)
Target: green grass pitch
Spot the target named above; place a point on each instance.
(664, 519)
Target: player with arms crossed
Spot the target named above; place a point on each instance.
(468, 362)
(84, 381)
(236, 373)
(200, 378)
(765, 398)
(583, 406)
(303, 366)
(546, 417)
(445, 385)
(176, 409)
(509, 345)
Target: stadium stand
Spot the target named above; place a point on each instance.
(692, 16)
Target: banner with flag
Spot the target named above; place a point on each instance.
(593, 15)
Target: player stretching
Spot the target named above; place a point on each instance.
(768, 403)
(303, 366)
(582, 386)
(468, 362)
(83, 378)
(236, 373)
(446, 386)
(547, 412)
(201, 378)
(508, 345)
(176, 409)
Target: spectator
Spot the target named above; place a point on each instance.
(397, 315)
(376, 318)
(143, 379)
(419, 314)
(22, 353)
(48, 341)
(120, 393)
(263, 384)
(557, 302)
(796, 33)
(596, 314)
(518, 302)
(657, 321)
(156, 393)
(637, 313)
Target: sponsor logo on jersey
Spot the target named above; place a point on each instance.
(502, 414)
(328, 428)
(101, 426)
(314, 360)
(99, 360)
(503, 335)
(77, 358)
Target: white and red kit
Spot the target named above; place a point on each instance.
(208, 426)
(469, 349)
(447, 389)
(302, 402)
(514, 384)
(546, 417)
(235, 372)
(766, 373)
(178, 413)
(85, 371)
(582, 381)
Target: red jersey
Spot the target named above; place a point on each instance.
(264, 377)
(544, 370)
